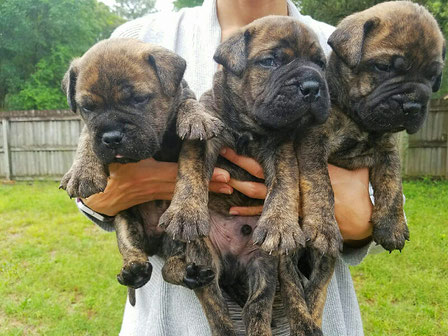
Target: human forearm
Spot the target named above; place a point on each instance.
(353, 207)
(147, 180)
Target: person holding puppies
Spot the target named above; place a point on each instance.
(164, 309)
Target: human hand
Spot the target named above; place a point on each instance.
(147, 180)
(353, 207)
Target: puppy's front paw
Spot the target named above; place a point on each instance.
(135, 274)
(277, 234)
(390, 232)
(185, 222)
(199, 126)
(198, 276)
(84, 181)
(323, 235)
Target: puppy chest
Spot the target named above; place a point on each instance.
(352, 150)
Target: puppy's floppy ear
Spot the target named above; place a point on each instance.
(347, 41)
(69, 84)
(169, 67)
(232, 53)
(438, 82)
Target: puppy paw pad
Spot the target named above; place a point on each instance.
(135, 274)
(198, 276)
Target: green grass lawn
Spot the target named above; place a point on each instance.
(57, 270)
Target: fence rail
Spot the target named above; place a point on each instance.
(37, 144)
(427, 150)
(41, 144)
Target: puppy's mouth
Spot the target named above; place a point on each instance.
(293, 97)
(393, 108)
(392, 116)
(123, 155)
(293, 105)
(122, 159)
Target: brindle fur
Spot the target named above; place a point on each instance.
(370, 103)
(103, 86)
(263, 110)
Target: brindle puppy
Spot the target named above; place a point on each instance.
(385, 63)
(270, 88)
(130, 95)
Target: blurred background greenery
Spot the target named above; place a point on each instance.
(39, 38)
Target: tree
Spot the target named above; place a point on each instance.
(38, 40)
(132, 9)
(178, 4)
(334, 11)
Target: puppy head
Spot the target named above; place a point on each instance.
(275, 65)
(386, 61)
(124, 90)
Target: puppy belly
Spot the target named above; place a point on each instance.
(233, 235)
(150, 213)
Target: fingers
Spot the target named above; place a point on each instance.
(220, 175)
(246, 211)
(220, 188)
(248, 164)
(250, 189)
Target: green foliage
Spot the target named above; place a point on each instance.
(178, 4)
(332, 12)
(132, 9)
(38, 40)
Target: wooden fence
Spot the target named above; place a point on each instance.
(41, 144)
(426, 152)
(37, 144)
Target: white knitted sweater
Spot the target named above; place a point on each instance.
(163, 309)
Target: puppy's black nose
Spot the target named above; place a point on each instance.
(411, 108)
(112, 139)
(310, 90)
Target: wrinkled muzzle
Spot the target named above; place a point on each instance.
(395, 109)
(294, 96)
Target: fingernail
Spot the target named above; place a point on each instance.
(233, 212)
(221, 178)
(225, 190)
(223, 151)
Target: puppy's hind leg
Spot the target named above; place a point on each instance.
(189, 270)
(136, 269)
(300, 321)
(316, 288)
(262, 280)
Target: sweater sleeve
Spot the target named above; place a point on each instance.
(103, 221)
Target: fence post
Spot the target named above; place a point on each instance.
(7, 155)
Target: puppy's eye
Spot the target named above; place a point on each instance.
(268, 62)
(87, 109)
(321, 64)
(140, 100)
(381, 67)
